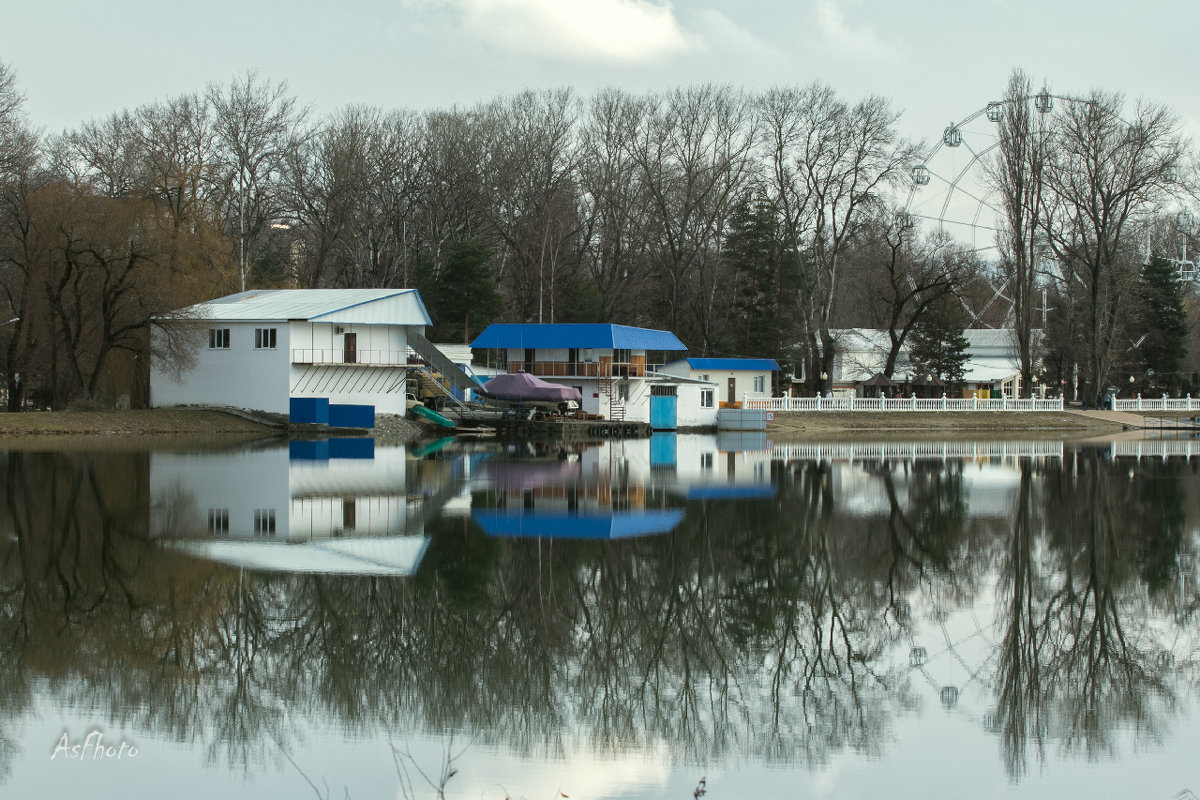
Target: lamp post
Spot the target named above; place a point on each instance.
(821, 388)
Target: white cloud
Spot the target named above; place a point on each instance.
(722, 34)
(860, 43)
(623, 31)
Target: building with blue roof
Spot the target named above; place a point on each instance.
(733, 379)
(615, 367)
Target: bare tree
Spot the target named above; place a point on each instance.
(830, 165)
(614, 206)
(693, 151)
(1105, 173)
(1019, 174)
(256, 124)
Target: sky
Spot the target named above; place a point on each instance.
(78, 60)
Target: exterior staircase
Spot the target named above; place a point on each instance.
(616, 407)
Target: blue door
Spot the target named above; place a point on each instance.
(663, 412)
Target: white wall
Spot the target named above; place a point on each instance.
(242, 376)
(743, 379)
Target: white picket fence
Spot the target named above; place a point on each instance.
(914, 403)
(1163, 403)
(944, 403)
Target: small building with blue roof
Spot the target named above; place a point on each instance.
(735, 379)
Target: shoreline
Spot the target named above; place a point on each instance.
(180, 425)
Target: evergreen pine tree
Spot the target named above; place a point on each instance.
(938, 346)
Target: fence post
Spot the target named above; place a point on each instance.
(914, 401)
(943, 401)
(818, 401)
(851, 402)
(1139, 401)
(975, 402)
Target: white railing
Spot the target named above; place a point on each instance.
(338, 356)
(1163, 403)
(914, 403)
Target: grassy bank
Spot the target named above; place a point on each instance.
(1007, 424)
(117, 423)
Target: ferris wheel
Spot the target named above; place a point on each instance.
(950, 191)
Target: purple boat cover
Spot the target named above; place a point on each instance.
(523, 386)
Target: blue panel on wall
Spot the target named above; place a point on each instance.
(663, 413)
(309, 409)
(351, 416)
(361, 448)
(309, 451)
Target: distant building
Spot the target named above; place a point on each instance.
(615, 367)
(992, 366)
(262, 349)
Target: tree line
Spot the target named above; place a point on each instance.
(748, 224)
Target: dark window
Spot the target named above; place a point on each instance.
(264, 338)
(218, 338)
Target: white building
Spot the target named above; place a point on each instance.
(734, 378)
(262, 349)
(992, 366)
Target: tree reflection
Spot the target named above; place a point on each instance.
(769, 628)
(1080, 656)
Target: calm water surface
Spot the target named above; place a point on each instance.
(335, 619)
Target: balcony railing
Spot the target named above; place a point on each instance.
(582, 369)
(337, 355)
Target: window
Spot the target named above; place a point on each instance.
(663, 391)
(706, 461)
(759, 382)
(218, 520)
(218, 338)
(706, 398)
(264, 522)
(704, 378)
(264, 338)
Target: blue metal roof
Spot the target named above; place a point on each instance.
(568, 525)
(586, 335)
(749, 364)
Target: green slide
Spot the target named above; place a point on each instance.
(430, 414)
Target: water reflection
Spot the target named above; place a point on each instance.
(721, 599)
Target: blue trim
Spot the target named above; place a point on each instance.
(748, 364)
(584, 335)
(566, 525)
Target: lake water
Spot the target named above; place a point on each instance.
(640, 619)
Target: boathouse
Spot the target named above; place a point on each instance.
(615, 367)
(349, 350)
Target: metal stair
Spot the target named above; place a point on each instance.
(616, 407)
(438, 374)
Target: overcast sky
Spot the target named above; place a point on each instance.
(938, 61)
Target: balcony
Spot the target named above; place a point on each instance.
(366, 358)
(583, 369)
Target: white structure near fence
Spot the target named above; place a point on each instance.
(259, 349)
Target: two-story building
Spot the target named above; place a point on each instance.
(262, 349)
(615, 367)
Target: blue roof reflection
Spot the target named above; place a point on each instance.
(568, 525)
(756, 492)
